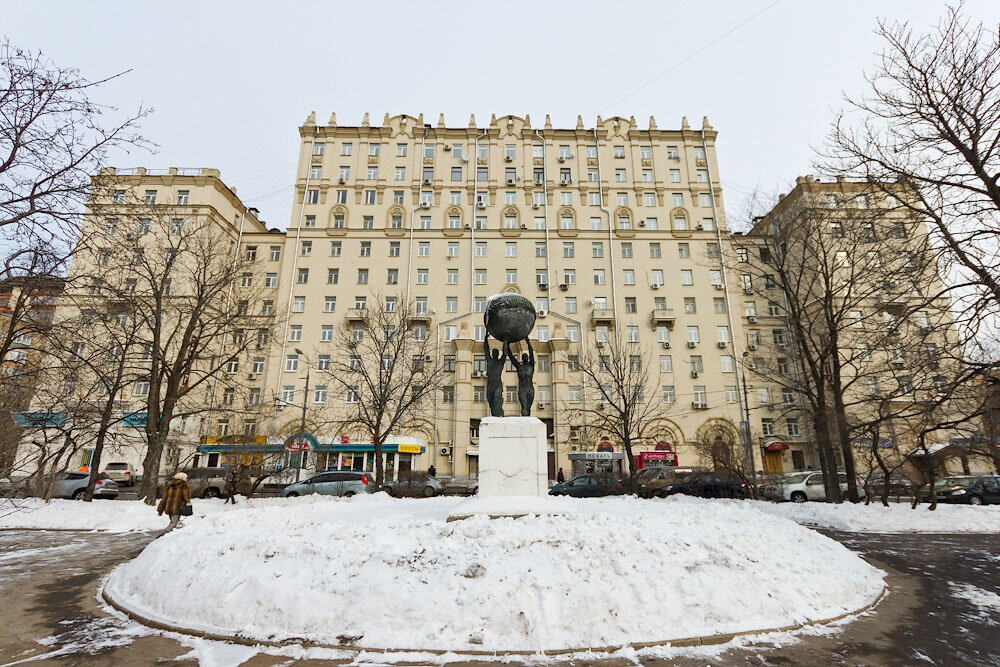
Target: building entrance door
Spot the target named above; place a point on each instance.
(772, 463)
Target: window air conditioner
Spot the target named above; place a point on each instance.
(642, 223)
(563, 287)
(718, 286)
(445, 451)
(536, 206)
(481, 205)
(541, 406)
(721, 343)
(748, 290)
(523, 226)
(251, 376)
(752, 346)
(694, 374)
(543, 313)
(699, 406)
(782, 346)
(477, 374)
(508, 158)
(447, 147)
(427, 181)
(543, 286)
(666, 344)
(656, 285)
(425, 205)
(468, 226)
(510, 181)
(699, 227)
(751, 366)
(692, 343)
(752, 319)
(566, 181)
(562, 158)
(600, 343)
(539, 181)
(341, 180)
(574, 448)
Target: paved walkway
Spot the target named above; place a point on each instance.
(49, 614)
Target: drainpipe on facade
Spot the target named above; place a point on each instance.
(291, 282)
(744, 407)
(475, 207)
(611, 240)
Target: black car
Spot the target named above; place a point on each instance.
(970, 490)
(588, 486)
(709, 485)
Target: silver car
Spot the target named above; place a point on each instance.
(74, 485)
(343, 483)
(800, 487)
(416, 484)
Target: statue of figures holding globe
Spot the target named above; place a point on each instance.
(509, 318)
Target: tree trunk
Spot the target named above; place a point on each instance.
(379, 465)
(95, 463)
(151, 467)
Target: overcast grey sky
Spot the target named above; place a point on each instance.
(231, 81)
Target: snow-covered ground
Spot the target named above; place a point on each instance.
(116, 516)
(380, 572)
(898, 517)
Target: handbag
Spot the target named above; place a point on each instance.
(187, 510)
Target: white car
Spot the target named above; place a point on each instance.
(122, 473)
(802, 486)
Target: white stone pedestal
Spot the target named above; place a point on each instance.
(513, 457)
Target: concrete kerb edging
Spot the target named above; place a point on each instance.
(708, 640)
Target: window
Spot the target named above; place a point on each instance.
(569, 276)
(601, 333)
(669, 396)
(767, 426)
(394, 249)
(267, 308)
(728, 364)
(326, 333)
(448, 394)
(690, 307)
(657, 275)
(292, 363)
(620, 175)
(687, 277)
(366, 249)
(369, 196)
(332, 276)
(423, 276)
(480, 277)
(246, 280)
(295, 333)
(622, 198)
(425, 222)
(630, 304)
(299, 304)
(150, 197)
(541, 277)
(452, 277)
(632, 334)
(701, 176)
(511, 276)
(675, 175)
(599, 277)
(303, 276)
(510, 249)
(362, 276)
(628, 276)
(693, 334)
(773, 309)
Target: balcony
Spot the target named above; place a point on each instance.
(420, 316)
(604, 315)
(661, 316)
(356, 314)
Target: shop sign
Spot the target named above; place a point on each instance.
(409, 449)
(599, 456)
(301, 442)
(236, 440)
(605, 446)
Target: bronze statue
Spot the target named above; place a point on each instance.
(509, 318)
(525, 372)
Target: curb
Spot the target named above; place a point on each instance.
(707, 640)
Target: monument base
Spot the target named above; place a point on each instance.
(513, 457)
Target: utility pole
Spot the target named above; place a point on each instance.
(305, 402)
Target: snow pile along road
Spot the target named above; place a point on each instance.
(383, 573)
(897, 518)
(116, 516)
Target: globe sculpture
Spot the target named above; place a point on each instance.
(509, 318)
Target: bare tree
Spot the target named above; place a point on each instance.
(385, 372)
(718, 446)
(625, 401)
(931, 120)
(53, 137)
(180, 277)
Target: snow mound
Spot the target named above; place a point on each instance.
(115, 516)
(386, 573)
(897, 518)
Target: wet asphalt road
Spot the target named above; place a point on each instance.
(49, 614)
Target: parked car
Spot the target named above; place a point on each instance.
(899, 485)
(802, 486)
(6, 488)
(708, 485)
(969, 489)
(588, 486)
(204, 482)
(74, 485)
(412, 484)
(123, 473)
(651, 482)
(333, 483)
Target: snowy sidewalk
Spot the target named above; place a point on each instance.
(897, 518)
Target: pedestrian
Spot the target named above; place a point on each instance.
(432, 471)
(560, 476)
(176, 498)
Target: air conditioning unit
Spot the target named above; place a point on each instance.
(427, 357)
(279, 407)
(699, 227)
(574, 448)
(425, 205)
(539, 181)
(561, 158)
(752, 319)
(566, 181)
(543, 313)
(524, 226)
(427, 181)
(341, 180)
(666, 344)
(642, 223)
(692, 343)
(563, 286)
(694, 374)
(600, 343)
(751, 366)
(508, 158)
(481, 205)
(445, 451)
(655, 285)
(510, 181)
(477, 374)
(748, 290)
(541, 406)
(699, 406)
(752, 346)
(536, 206)
(447, 147)
(251, 376)
(767, 406)
(468, 226)
(718, 286)
(721, 343)
(782, 346)
(543, 286)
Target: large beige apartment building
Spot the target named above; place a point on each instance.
(611, 231)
